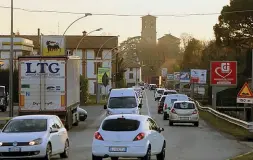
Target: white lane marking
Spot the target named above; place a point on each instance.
(147, 105)
(98, 120)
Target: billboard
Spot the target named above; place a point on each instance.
(52, 45)
(170, 77)
(198, 76)
(223, 73)
(164, 72)
(184, 77)
(176, 76)
(103, 72)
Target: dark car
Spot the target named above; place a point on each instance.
(160, 105)
(82, 114)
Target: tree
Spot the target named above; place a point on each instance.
(185, 38)
(235, 25)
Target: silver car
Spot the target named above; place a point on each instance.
(184, 112)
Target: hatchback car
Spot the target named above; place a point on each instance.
(161, 104)
(34, 136)
(128, 136)
(184, 112)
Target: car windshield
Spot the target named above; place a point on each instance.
(160, 91)
(169, 92)
(26, 125)
(162, 99)
(120, 125)
(184, 105)
(122, 102)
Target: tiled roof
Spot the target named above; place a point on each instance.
(90, 42)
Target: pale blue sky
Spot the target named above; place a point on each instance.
(199, 26)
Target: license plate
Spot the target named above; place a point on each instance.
(15, 149)
(184, 118)
(117, 149)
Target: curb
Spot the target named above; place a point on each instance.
(241, 155)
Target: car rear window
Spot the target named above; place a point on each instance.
(168, 92)
(160, 91)
(162, 99)
(120, 125)
(184, 105)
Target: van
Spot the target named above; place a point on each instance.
(169, 101)
(123, 101)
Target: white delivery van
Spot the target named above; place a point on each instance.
(169, 101)
(123, 101)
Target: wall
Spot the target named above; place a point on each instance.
(136, 75)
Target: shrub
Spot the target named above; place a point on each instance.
(84, 94)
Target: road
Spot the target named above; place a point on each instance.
(183, 142)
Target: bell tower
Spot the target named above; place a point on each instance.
(148, 31)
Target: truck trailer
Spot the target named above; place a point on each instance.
(50, 85)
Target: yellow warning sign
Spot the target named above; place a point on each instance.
(245, 92)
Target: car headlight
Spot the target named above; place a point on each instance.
(35, 142)
(109, 113)
(1, 143)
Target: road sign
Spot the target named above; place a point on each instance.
(245, 95)
(101, 73)
(105, 79)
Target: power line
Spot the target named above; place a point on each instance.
(122, 15)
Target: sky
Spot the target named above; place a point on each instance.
(200, 27)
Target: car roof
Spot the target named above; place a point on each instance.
(122, 92)
(167, 90)
(34, 117)
(128, 116)
(184, 101)
(176, 95)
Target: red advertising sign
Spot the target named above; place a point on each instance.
(223, 73)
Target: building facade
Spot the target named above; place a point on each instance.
(94, 51)
(133, 76)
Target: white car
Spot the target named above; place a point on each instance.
(34, 136)
(128, 136)
(184, 112)
(159, 93)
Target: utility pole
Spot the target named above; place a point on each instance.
(11, 66)
(117, 70)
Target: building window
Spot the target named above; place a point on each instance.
(98, 54)
(96, 66)
(131, 69)
(131, 76)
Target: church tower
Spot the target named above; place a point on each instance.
(148, 32)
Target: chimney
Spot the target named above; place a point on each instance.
(84, 33)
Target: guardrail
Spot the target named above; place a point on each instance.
(246, 125)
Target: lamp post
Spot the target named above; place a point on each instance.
(96, 66)
(86, 15)
(11, 66)
(99, 29)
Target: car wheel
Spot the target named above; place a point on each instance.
(196, 124)
(161, 155)
(165, 117)
(96, 158)
(170, 123)
(148, 155)
(65, 154)
(48, 152)
(114, 158)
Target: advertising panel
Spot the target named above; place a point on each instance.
(52, 45)
(164, 72)
(176, 76)
(170, 77)
(184, 77)
(198, 76)
(223, 73)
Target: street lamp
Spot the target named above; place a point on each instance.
(11, 66)
(96, 66)
(86, 15)
(99, 29)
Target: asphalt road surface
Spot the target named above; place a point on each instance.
(183, 142)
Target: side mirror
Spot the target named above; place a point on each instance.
(160, 129)
(140, 106)
(53, 130)
(105, 106)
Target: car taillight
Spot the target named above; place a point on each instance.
(173, 111)
(195, 112)
(98, 136)
(165, 106)
(140, 136)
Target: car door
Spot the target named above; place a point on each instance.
(150, 135)
(153, 129)
(56, 138)
(62, 133)
(157, 136)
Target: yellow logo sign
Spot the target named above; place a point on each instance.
(245, 92)
(53, 45)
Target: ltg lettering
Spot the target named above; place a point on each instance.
(31, 68)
